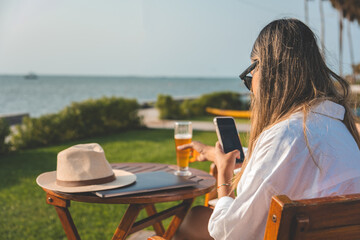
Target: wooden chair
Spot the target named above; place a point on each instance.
(328, 218)
(210, 198)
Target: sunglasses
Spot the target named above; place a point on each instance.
(247, 79)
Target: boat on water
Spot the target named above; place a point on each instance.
(231, 113)
(31, 76)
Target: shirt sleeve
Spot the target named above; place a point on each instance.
(281, 163)
(245, 216)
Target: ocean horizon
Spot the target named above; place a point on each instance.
(51, 93)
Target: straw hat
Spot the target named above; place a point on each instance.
(84, 168)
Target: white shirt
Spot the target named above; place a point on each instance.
(281, 164)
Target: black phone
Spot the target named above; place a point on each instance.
(228, 136)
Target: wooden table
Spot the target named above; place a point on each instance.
(137, 202)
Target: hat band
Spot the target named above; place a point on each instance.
(85, 182)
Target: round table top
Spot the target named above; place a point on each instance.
(206, 183)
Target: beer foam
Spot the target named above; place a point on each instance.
(183, 136)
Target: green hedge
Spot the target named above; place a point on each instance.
(168, 107)
(171, 109)
(4, 132)
(89, 118)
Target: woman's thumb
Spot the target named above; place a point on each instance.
(218, 146)
(235, 153)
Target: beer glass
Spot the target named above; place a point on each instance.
(183, 135)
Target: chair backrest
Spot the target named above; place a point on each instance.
(335, 217)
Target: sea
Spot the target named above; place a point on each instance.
(50, 94)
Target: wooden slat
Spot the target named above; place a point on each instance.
(138, 168)
(150, 169)
(342, 214)
(122, 166)
(127, 221)
(67, 223)
(134, 169)
(158, 226)
(330, 200)
(158, 217)
(56, 201)
(177, 219)
(278, 220)
(61, 206)
(213, 194)
(343, 233)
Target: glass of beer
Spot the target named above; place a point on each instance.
(183, 135)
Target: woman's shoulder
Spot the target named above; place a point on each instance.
(277, 143)
(323, 119)
(291, 127)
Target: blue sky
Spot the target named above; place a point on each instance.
(204, 38)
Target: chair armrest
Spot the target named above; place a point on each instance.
(156, 238)
(213, 194)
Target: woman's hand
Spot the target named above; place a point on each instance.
(202, 152)
(225, 163)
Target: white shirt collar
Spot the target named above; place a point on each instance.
(330, 109)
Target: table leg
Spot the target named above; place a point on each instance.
(178, 218)
(61, 207)
(127, 221)
(158, 227)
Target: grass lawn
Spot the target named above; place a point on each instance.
(24, 212)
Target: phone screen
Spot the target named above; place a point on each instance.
(228, 133)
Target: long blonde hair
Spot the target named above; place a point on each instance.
(293, 77)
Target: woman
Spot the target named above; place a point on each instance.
(303, 139)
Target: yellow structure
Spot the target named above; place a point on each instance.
(231, 113)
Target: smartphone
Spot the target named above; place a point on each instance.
(228, 136)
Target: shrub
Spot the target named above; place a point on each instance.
(89, 118)
(4, 132)
(171, 109)
(192, 107)
(168, 107)
(222, 100)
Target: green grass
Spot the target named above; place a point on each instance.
(24, 212)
